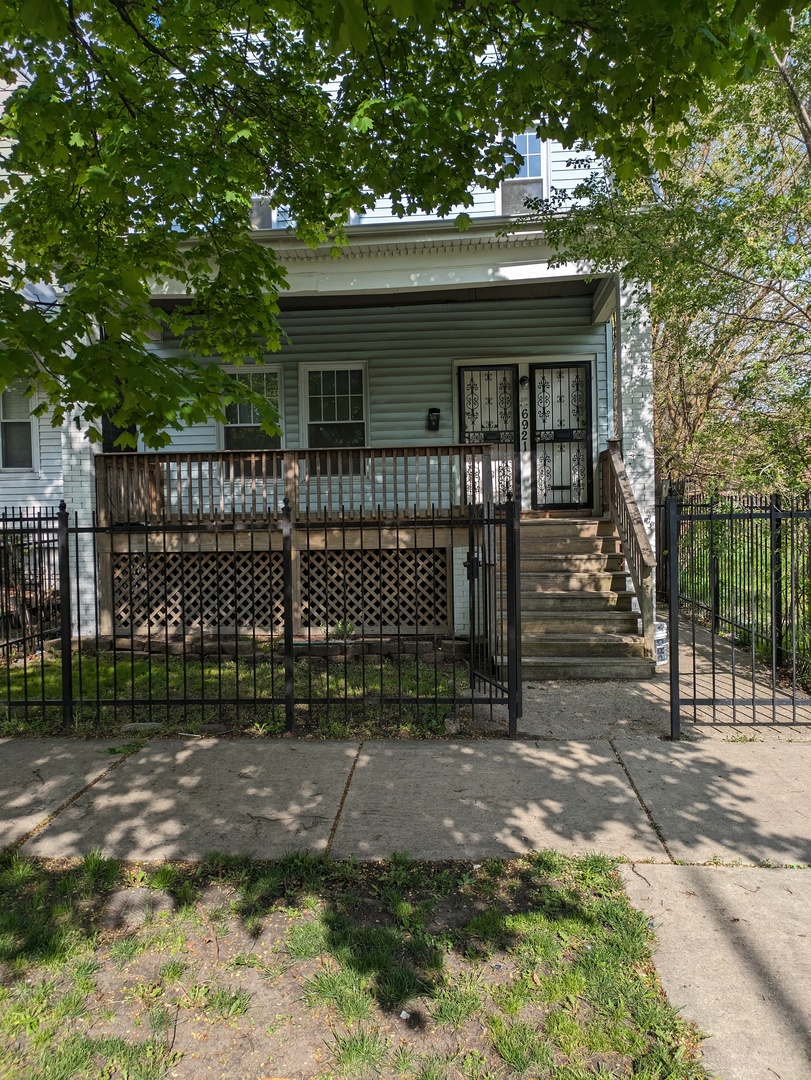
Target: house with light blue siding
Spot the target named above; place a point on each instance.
(421, 361)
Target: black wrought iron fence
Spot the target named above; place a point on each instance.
(29, 580)
(736, 575)
(319, 624)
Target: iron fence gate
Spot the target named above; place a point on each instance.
(376, 621)
(736, 576)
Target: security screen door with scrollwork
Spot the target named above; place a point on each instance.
(488, 409)
(561, 436)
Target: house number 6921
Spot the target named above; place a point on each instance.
(525, 428)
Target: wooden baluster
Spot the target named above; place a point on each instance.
(383, 493)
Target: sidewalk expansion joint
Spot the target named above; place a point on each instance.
(347, 785)
(653, 824)
(46, 821)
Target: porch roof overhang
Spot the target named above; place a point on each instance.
(426, 262)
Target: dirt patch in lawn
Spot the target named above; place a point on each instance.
(304, 968)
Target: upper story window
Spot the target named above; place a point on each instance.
(241, 430)
(530, 147)
(530, 180)
(16, 439)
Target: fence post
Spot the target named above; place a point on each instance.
(472, 567)
(287, 587)
(715, 593)
(672, 512)
(65, 620)
(776, 565)
(514, 695)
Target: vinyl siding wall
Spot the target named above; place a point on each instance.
(410, 355)
(570, 167)
(485, 204)
(42, 486)
(564, 169)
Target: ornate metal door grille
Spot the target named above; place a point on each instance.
(489, 414)
(561, 432)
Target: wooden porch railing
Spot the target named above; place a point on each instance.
(251, 485)
(618, 499)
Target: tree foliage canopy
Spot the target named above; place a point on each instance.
(139, 130)
(722, 236)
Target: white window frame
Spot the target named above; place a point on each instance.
(34, 468)
(254, 369)
(304, 393)
(544, 180)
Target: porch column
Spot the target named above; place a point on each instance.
(79, 493)
(635, 403)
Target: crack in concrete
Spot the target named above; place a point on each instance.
(651, 821)
(38, 828)
(334, 828)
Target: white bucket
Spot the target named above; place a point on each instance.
(660, 649)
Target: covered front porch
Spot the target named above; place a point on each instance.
(400, 540)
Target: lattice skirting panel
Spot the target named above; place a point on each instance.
(198, 590)
(395, 588)
(178, 592)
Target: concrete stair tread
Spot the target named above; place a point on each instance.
(577, 615)
(581, 639)
(570, 545)
(579, 667)
(560, 594)
(573, 559)
(592, 620)
(576, 581)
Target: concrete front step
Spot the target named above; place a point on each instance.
(546, 563)
(565, 545)
(590, 581)
(597, 602)
(585, 645)
(541, 668)
(571, 528)
(579, 622)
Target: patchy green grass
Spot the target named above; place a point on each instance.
(536, 967)
(244, 695)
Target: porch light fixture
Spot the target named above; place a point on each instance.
(524, 380)
(432, 422)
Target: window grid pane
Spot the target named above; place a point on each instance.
(529, 146)
(14, 405)
(336, 408)
(16, 443)
(242, 430)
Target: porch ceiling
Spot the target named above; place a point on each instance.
(463, 295)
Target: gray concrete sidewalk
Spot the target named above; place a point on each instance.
(733, 949)
(734, 953)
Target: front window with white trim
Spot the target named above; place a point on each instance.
(242, 430)
(336, 406)
(16, 438)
